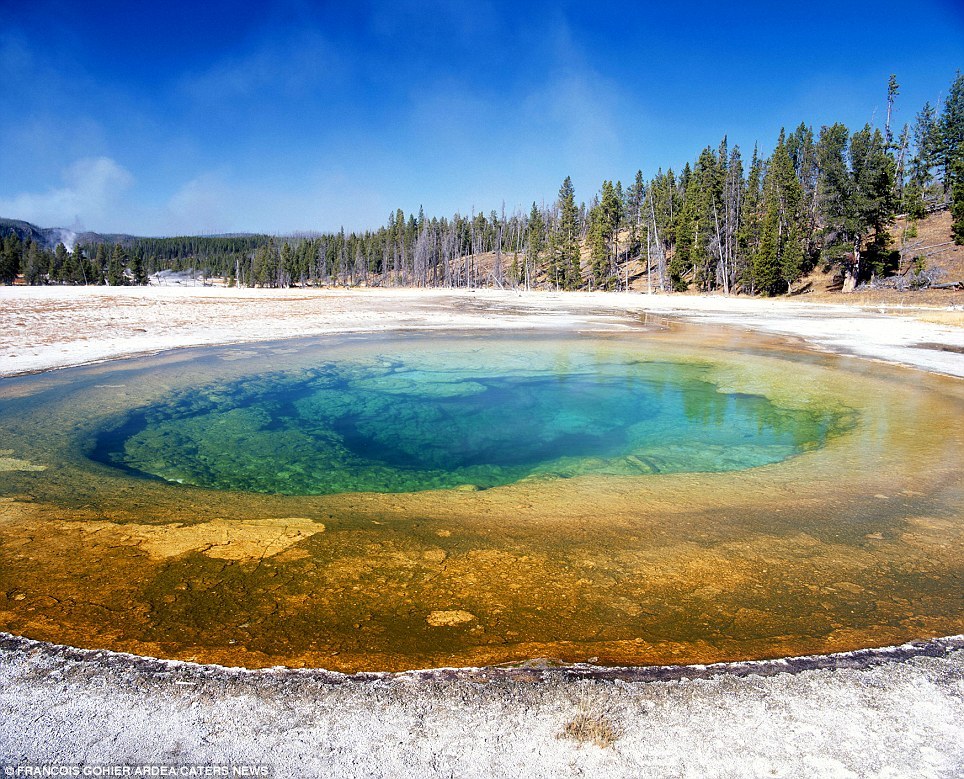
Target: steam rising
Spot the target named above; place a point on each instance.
(91, 191)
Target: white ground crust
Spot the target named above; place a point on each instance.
(53, 327)
(895, 719)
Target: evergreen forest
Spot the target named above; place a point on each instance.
(725, 222)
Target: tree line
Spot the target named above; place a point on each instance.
(721, 223)
(85, 264)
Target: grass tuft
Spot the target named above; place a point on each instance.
(587, 728)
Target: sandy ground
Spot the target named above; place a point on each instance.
(877, 715)
(888, 717)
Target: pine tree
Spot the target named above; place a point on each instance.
(535, 242)
(926, 144)
(857, 201)
(34, 265)
(57, 261)
(957, 203)
(658, 207)
(903, 144)
(90, 276)
(286, 266)
(10, 258)
(697, 223)
(779, 259)
(874, 195)
(566, 248)
(514, 275)
(951, 130)
(634, 213)
(115, 266)
(100, 264)
(728, 221)
(803, 152)
(751, 222)
(790, 200)
(137, 269)
(611, 218)
(598, 248)
(687, 235)
(840, 231)
(893, 89)
(766, 260)
(78, 266)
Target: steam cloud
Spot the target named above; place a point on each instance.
(92, 186)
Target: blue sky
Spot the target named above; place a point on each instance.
(172, 118)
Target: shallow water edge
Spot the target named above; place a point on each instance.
(530, 672)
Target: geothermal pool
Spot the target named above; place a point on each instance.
(473, 414)
(420, 500)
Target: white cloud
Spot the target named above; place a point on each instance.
(91, 195)
(203, 205)
(576, 105)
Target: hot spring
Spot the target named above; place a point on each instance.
(417, 500)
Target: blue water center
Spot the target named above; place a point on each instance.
(399, 425)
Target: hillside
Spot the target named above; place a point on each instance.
(923, 245)
(49, 237)
(930, 250)
(23, 230)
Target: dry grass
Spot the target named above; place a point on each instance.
(932, 242)
(589, 728)
(935, 316)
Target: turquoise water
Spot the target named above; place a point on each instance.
(405, 423)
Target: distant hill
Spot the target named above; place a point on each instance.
(24, 230)
(49, 237)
